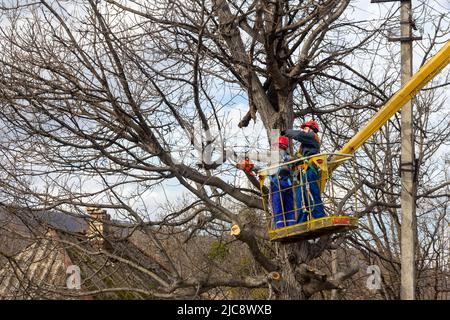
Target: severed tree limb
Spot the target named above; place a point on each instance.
(249, 238)
(316, 281)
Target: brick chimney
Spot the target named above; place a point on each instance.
(98, 227)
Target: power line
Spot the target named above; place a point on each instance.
(444, 15)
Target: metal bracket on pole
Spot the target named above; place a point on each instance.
(413, 38)
(407, 167)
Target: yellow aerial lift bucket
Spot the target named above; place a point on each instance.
(285, 223)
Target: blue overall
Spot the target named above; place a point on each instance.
(315, 204)
(282, 200)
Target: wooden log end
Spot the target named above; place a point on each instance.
(275, 275)
(235, 230)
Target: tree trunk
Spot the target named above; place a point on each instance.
(293, 255)
(285, 116)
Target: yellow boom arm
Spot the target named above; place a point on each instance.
(395, 103)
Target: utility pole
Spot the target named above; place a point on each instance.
(407, 165)
(407, 159)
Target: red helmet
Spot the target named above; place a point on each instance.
(311, 124)
(283, 142)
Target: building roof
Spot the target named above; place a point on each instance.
(37, 247)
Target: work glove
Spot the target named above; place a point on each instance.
(247, 166)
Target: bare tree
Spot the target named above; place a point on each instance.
(103, 102)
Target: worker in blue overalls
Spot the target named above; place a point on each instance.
(281, 188)
(308, 198)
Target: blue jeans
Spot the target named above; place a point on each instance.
(315, 204)
(282, 201)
